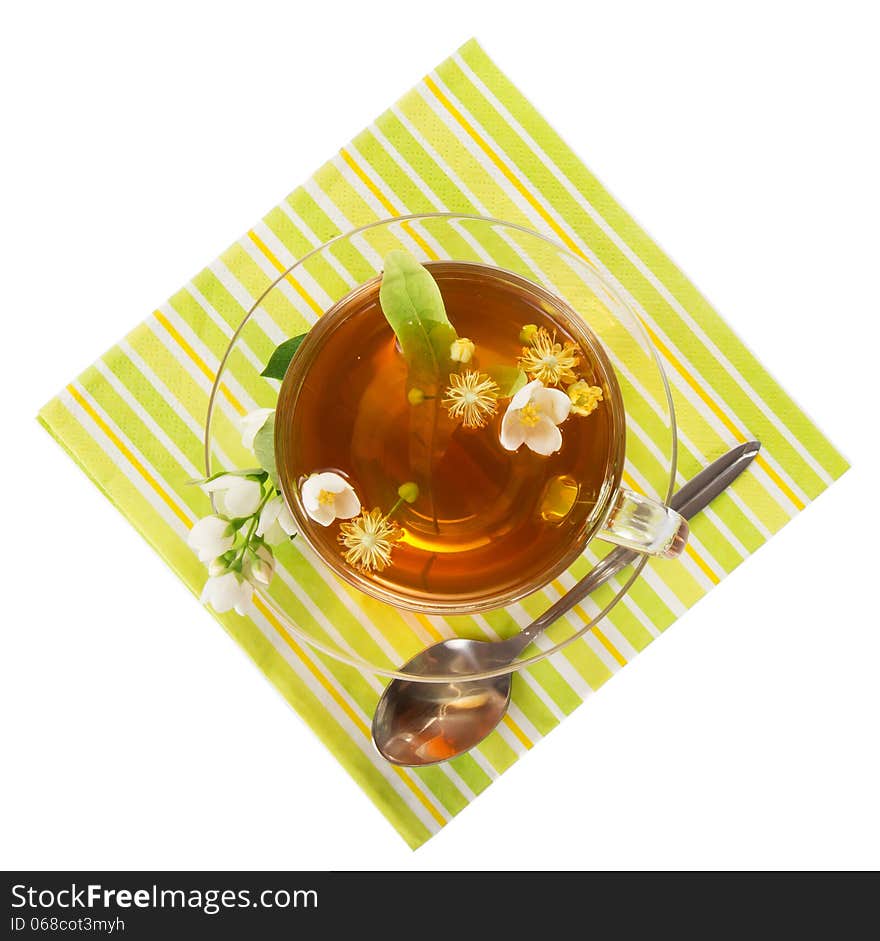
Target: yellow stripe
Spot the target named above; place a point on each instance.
(258, 602)
(135, 463)
(601, 637)
(279, 266)
(722, 416)
(340, 701)
(194, 356)
(632, 483)
(386, 203)
(563, 235)
(689, 549)
(428, 626)
(517, 731)
(524, 191)
(585, 617)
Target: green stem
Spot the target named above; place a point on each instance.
(395, 508)
(252, 526)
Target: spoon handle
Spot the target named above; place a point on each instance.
(693, 496)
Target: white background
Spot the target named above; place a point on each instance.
(139, 142)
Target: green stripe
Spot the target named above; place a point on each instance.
(291, 314)
(672, 278)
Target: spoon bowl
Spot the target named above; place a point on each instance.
(420, 722)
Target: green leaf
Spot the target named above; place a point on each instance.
(280, 359)
(264, 448)
(412, 304)
(510, 379)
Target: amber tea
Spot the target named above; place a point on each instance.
(460, 462)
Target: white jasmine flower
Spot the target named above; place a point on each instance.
(210, 537)
(225, 592)
(328, 497)
(235, 496)
(276, 524)
(260, 567)
(251, 424)
(532, 417)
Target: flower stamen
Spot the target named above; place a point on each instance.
(368, 541)
(471, 396)
(547, 360)
(530, 415)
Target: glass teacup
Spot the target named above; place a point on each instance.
(635, 419)
(493, 516)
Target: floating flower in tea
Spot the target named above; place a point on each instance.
(547, 360)
(585, 398)
(328, 497)
(471, 396)
(532, 418)
(461, 350)
(368, 540)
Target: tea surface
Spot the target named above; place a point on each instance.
(486, 519)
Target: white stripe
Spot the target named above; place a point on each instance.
(181, 412)
(185, 464)
(354, 733)
(111, 451)
(282, 573)
(437, 157)
(539, 223)
(643, 269)
(149, 493)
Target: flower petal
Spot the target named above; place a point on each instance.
(269, 514)
(274, 535)
(243, 497)
(522, 398)
(553, 403)
(285, 521)
(222, 593)
(244, 594)
(347, 504)
(513, 431)
(311, 490)
(332, 483)
(252, 423)
(544, 438)
(322, 513)
(209, 538)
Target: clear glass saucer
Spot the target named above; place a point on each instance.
(307, 600)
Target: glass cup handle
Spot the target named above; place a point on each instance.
(644, 525)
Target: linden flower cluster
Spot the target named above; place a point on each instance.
(236, 541)
(536, 409)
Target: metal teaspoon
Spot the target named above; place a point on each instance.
(421, 723)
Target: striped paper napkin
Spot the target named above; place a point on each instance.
(464, 139)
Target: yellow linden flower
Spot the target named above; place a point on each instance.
(471, 396)
(461, 350)
(368, 540)
(584, 397)
(549, 361)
